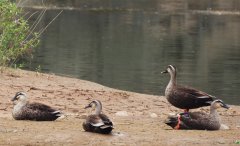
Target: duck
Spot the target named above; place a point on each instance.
(184, 97)
(198, 120)
(97, 122)
(24, 110)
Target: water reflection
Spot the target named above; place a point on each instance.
(128, 49)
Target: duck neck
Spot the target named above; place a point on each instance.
(19, 106)
(214, 112)
(23, 101)
(98, 109)
(173, 80)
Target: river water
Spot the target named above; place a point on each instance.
(128, 48)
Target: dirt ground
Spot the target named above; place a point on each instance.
(138, 118)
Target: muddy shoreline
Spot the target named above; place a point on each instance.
(138, 118)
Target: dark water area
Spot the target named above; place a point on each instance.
(127, 49)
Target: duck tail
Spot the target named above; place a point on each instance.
(57, 113)
(213, 97)
(106, 126)
(205, 100)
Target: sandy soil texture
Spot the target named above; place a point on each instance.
(138, 118)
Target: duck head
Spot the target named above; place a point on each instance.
(170, 69)
(219, 104)
(19, 97)
(97, 104)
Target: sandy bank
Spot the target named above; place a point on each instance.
(139, 118)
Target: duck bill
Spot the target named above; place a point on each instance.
(163, 72)
(13, 98)
(226, 106)
(88, 106)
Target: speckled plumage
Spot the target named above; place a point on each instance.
(97, 122)
(25, 110)
(185, 97)
(197, 120)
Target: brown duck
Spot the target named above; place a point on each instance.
(184, 97)
(198, 120)
(97, 122)
(24, 110)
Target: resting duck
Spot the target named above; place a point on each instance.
(184, 97)
(198, 120)
(97, 122)
(23, 110)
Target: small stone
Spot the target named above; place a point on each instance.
(221, 141)
(224, 127)
(153, 115)
(237, 142)
(62, 117)
(121, 113)
(172, 114)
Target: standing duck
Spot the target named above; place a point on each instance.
(198, 120)
(184, 97)
(97, 122)
(23, 110)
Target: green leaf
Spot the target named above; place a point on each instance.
(237, 142)
(16, 38)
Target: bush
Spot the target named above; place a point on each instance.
(16, 38)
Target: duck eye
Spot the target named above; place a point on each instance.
(19, 94)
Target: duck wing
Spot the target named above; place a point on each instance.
(197, 115)
(190, 98)
(40, 107)
(194, 92)
(106, 120)
(98, 123)
(95, 120)
(99, 120)
(200, 121)
(40, 112)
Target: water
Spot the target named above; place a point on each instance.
(127, 49)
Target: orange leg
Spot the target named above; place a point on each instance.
(179, 122)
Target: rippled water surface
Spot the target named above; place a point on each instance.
(128, 48)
